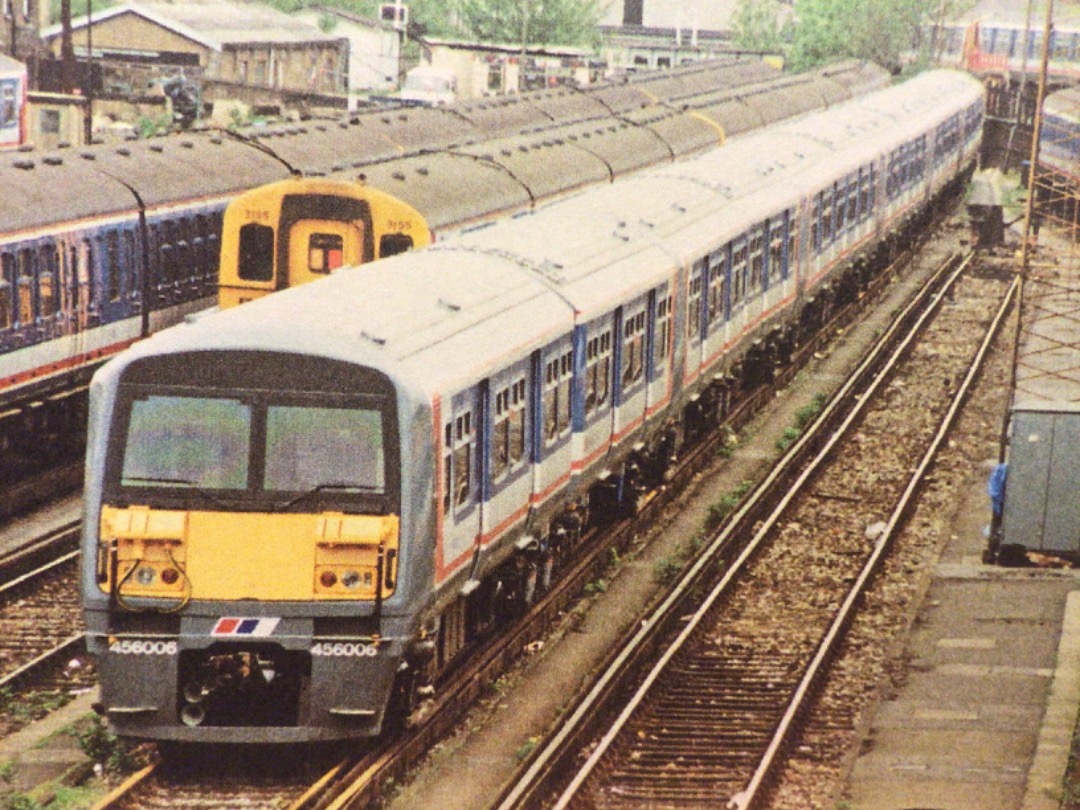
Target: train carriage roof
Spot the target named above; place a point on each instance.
(548, 165)
(500, 116)
(166, 170)
(672, 86)
(367, 137)
(569, 104)
(857, 77)
(774, 104)
(319, 147)
(1064, 104)
(42, 191)
(450, 315)
(625, 148)
(452, 189)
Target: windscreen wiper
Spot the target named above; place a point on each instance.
(191, 485)
(339, 486)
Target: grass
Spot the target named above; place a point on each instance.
(596, 586)
(719, 511)
(803, 417)
(1070, 799)
(25, 708)
(526, 749)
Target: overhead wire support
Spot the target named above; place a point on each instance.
(1029, 209)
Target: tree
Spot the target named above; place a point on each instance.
(562, 22)
(756, 25)
(888, 32)
(78, 7)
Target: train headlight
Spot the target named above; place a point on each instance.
(352, 579)
(144, 551)
(145, 575)
(350, 553)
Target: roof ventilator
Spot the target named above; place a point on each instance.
(378, 341)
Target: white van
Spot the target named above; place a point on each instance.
(430, 86)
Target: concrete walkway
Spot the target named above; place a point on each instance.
(985, 716)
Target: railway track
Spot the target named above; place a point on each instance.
(38, 552)
(730, 673)
(42, 645)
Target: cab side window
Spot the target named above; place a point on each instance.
(256, 253)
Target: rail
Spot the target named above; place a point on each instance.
(582, 721)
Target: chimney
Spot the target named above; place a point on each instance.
(633, 12)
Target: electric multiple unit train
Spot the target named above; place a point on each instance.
(299, 509)
(101, 245)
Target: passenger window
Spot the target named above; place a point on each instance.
(840, 196)
(26, 287)
(693, 303)
(826, 217)
(154, 259)
(633, 349)
(86, 274)
(73, 280)
(47, 282)
(717, 278)
(557, 377)
(508, 429)
(757, 260)
(663, 331)
(597, 372)
(738, 274)
(776, 253)
(256, 253)
(462, 458)
(326, 252)
(129, 260)
(518, 421)
(112, 266)
(457, 461)
(7, 278)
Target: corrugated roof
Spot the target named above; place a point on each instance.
(352, 17)
(213, 23)
(229, 21)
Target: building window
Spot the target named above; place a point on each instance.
(50, 122)
(8, 111)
